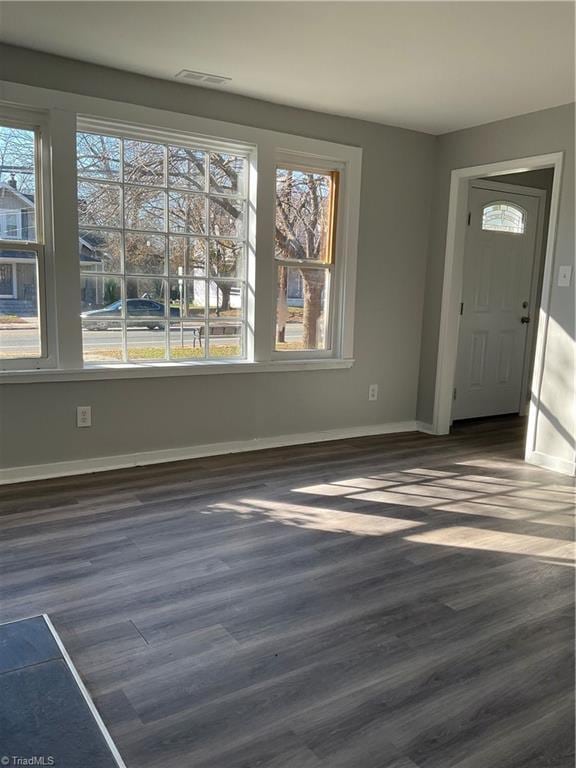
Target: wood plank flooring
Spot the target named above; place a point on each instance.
(403, 601)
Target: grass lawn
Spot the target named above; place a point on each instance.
(295, 314)
(12, 320)
(284, 346)
(158, 353)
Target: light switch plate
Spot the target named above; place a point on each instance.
(564, 276)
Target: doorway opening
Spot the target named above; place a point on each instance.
(501, 290)
(497, 280)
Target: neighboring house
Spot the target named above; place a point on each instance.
(17, 268)
(295, 294)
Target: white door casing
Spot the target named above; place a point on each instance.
(496, 295)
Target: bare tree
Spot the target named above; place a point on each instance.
(17, 170)
(190, 173)
(302, 209)
(17, 158)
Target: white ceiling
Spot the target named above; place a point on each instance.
(431, 66)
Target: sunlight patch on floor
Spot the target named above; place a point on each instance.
(396, 498)
(472, 486)
(495, 541)
(485, 509)
(512, 483)
(318, 519)
(498, 464)
(368, 483)
(429, 472)
(468, 494)
(546, 494)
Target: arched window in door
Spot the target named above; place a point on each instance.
(504, 217)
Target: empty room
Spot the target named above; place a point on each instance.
(287, 384)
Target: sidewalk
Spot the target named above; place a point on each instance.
(24, 324)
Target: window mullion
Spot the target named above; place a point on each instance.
(123, 285)
(42, 299)
(166, 276)
(261, 274)
(65, 262)
(208, 274)
(206, 314)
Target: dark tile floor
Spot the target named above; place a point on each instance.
(43, 715)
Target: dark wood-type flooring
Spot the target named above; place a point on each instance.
(403, 601)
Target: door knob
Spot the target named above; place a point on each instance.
(525, 319)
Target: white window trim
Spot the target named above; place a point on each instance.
(168, 369)
(65, 108)
(336, 319)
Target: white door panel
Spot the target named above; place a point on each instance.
(497, 277)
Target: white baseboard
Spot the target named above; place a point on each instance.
(546, 461)
(127, 460)
(423, 426)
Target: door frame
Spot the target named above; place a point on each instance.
(453, 281)
(540, 194)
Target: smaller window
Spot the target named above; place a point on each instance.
(503, 217)
(21, 248)
(304, 256)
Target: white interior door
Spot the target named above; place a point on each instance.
(495, 311)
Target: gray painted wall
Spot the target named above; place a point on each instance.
(538, 133)
(38, 420)
(401, 250)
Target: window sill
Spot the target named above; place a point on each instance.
(164, 370)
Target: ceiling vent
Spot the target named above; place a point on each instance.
(202, 78)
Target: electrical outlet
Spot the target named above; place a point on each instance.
(373, 392)
(564, 276)
(84, 416)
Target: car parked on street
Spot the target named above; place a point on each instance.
(140, 313)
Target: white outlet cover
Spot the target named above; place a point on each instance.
(83, 416)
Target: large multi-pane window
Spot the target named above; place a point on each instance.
(152, 256)
(21, 246)
(162, 249)
(305, 246)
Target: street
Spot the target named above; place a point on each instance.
(24, 342)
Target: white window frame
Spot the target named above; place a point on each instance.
(335, 268)
(63, 111)
(36, 121)
(162, 137)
